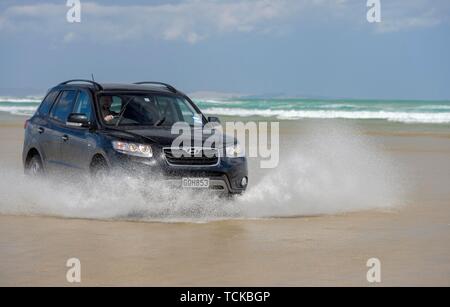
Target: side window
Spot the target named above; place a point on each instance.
(64, 106)
(83, 104)
(47, 103)
(168, 110)
(188, 113)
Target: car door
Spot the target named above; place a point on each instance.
(56, 124)
(77, 145)
(40, 132)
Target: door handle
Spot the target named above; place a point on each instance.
(40, 130)
(65, 138)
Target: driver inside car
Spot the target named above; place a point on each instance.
(107, 113)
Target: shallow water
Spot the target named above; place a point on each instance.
(332, 169)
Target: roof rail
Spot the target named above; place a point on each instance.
(169, 87)
(83, 80)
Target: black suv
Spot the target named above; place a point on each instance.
(94, 128)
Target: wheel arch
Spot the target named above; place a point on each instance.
(30, 154)
(98, 158)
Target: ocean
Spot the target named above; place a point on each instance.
(427, 112)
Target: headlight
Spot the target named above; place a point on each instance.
(133, 149)
(234, 151)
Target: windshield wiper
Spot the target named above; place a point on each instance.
(123, 111)
(160, 122)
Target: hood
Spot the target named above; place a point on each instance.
(165, 138)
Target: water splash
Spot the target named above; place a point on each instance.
(332, 169)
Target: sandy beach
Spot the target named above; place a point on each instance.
(309, 246)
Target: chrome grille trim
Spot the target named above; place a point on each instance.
(192, 160)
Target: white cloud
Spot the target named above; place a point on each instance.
(190, 21)
(195, 20)
(414, 14)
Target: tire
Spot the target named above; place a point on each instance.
(34, 167)
(99, 169)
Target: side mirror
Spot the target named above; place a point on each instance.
(213, 119)
(78, 120)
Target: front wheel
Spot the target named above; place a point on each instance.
(99, 169)
(34, 167)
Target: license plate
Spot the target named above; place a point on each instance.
(198, 183)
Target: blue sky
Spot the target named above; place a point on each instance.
(314, 48)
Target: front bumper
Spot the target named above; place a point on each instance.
(225, 176)
(217, 184)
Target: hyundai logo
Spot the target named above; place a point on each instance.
(192, 150)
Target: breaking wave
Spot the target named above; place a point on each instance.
(434, 112)
(404, 117)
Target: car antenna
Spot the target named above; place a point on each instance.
(92, 76)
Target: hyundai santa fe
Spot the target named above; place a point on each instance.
(85, 126)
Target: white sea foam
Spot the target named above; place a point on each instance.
(405, 117)
(433, 107)
(430, 114)
(16, 99)
(18, 110)
(341, 105)
(218, 101)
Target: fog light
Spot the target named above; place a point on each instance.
(244, 181)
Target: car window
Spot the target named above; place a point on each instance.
(47, 103)
(64, 106)
(167, 110)
(190, 116)
(83, 104)
(116, 105)
(147, 110)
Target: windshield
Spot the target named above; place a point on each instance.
(146, 110)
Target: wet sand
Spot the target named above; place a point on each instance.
(412, 241)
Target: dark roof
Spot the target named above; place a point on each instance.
(122, 87)
(133, 87)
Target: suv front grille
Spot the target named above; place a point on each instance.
(191, 156)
